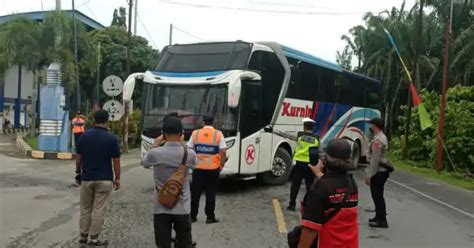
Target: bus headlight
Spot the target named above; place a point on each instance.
(230, 143)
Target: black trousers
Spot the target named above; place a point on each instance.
(76, 139)
(377, 185)
(180, 223)
(299, 172)
(207, 181)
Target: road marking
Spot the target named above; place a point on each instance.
(433, 199)
(279, 216)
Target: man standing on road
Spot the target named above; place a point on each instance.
(96, 151)
(377, 175)
(329, 215)
(306, 151)
(78, 126)
(166, 157)
(210, 148)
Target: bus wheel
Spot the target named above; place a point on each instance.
(355, 157)
(280, 171)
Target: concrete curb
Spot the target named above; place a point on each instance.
(22, 145)
(29, 152)
(50, 155)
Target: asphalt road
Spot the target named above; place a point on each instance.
(39, 208)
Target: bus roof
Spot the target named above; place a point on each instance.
(360, 76)
(293, 53)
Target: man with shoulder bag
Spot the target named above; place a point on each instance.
(173, 203)
(329, 209)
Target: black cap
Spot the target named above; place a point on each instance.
(377, 122)
(339, 148)
(172, 125)
(208, 118)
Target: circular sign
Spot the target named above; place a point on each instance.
(112, 85)
(250, 154)
(115, 109)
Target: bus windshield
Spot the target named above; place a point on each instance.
(191, 103)
(204, 57)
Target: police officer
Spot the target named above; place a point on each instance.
(330, 207)
(377, 172)
(210, 148)
(306, 152)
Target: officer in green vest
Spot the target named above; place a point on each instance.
(306, 152)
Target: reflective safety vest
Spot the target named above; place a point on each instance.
(206, 145)
(304, 143)
(78, 124)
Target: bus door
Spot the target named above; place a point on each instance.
(250, 126)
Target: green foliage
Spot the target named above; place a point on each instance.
(116, 127)
(119, 18)
(459, 130)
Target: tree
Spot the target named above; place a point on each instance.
(36, 45)
(113, 42)
(120, 18)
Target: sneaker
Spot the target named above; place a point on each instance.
(83, 239)
(291, 208)
(211, 221)
(379, 224)
(98, 243)
(372, 219)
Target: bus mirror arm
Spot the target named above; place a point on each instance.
(268, 129)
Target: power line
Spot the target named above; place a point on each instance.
(86, 4)
(186, 32)
(262, 10)
(146, 31)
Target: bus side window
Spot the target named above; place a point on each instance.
(372, 95)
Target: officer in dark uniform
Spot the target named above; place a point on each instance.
(306, 152)
(329, 209)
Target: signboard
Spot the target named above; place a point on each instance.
(115, 109)
(112, 85)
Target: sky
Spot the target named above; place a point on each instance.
(312, 26)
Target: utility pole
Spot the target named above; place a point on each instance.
(97, 87)
(439, 152)
(76, 67)
(135, 18)
(171, 34)
(58, 4)
(129, 71)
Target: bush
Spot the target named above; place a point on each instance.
(116, 127)
(459, 131)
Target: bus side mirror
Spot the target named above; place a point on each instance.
(235, 86)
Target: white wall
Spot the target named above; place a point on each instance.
(11, 91)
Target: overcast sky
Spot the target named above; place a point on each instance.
(312, 26)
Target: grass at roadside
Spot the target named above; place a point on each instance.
(33, 142)
(452, 178)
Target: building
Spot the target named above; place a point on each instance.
(16, 92)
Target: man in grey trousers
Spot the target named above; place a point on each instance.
(165, 160)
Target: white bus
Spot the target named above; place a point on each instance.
(249, 86)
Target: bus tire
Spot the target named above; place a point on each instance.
(280, 171)
(355, 156)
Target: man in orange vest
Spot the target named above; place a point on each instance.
(78, 126)
(210, 148)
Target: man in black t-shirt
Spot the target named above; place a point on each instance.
(97, 150)
(329, 210)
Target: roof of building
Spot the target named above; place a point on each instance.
(90, 23)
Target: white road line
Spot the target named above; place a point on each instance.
(433, 199)
(279, 217)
